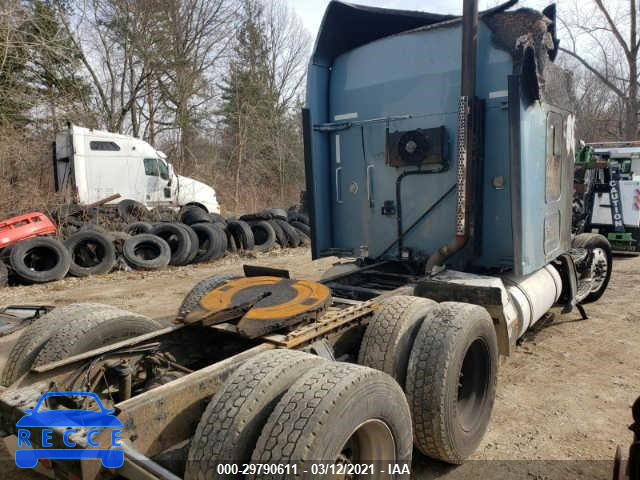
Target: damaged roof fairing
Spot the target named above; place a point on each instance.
(530, 37)
(346, 26)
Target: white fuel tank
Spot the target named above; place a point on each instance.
(533, 295)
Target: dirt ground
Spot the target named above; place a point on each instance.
(564, 395)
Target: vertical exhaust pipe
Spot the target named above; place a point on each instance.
(464, 138)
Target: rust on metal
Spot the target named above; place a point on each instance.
(262, 304)
(164, 416)
(106, 349)
(332, 322)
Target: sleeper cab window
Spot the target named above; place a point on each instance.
(100, 146)
(151, 167)
(164, 170)
(554, 154)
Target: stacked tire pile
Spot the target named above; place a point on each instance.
(132, 237)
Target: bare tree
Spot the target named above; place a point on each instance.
(604, 40)
(112, 38)
(289, 46)
(197, 36)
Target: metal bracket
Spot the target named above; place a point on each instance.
(321, 348)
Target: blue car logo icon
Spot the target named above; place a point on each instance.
(110, 455)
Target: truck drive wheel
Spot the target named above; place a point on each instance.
(40, 260)
(600, 268)
(96, 327)
(388, 339)
(451, 380)
(229, 428)
(35, 336)
(337, 413)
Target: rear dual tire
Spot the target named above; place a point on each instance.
(446, 358)
(232, 422)
(451, 380)
(338, 413)
(288, 407)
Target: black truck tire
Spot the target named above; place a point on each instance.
(4, 275)
(232, 422)
(192, 214)
(597, 244)
(255, 217)
(387, 341)
(34, 337)
(305, 240)
(194, 242)
(212, 242)
(264, 235)
(192, 299)
(293, 239)
(275, 213)
(281, 237)
(178, 239)
(217, 218)
(232, 246)
(101, 326)
(146, 252)
(329, 406)
(304, 228)
(293, 216)
(40, 260)
(242, 234)
(94, 227)
(451, 380)
(92, 253)
(136, 228)
(132, 211)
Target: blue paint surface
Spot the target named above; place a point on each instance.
(404, 82)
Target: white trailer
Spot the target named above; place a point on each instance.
(90, 165)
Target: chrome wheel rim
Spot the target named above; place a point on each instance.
(599, 267)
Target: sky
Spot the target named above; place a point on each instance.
(311, 11)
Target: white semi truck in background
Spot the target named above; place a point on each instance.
(90, 165)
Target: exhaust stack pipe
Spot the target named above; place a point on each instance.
(464, 138)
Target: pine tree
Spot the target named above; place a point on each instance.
(15, 92)
(54, 59)
(255, 126)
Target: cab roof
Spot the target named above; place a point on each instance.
(346, 26)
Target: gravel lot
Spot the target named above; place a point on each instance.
(564, 395)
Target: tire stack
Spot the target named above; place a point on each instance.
(129, 236)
